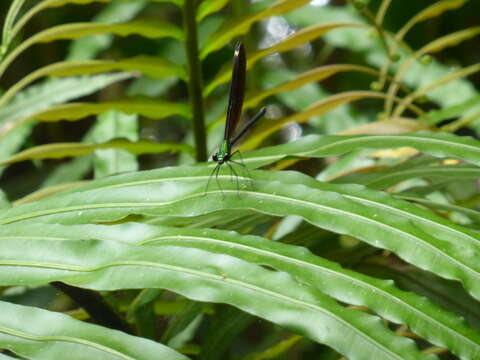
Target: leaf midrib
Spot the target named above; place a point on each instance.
(64, 339)
(220, 278)
(366, 138)
(421, 172)
(301, 263)
(472, 240)
(278, 197)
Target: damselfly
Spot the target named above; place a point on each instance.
(234, 111)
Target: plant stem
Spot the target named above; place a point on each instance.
(462, 122)
(381, 32)
(382, 11)
(195, 79)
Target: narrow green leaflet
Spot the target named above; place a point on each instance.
(62, 150)
(375, 217)
(205, 276)
(472, 214)
(241, 25)
(357, 41)
(449, 40)
(318, 108)
(149, 29)
(387, 178)
(148, 107)
(422, 91)
(416, 168)
(436, 144)
(444, 293)
(230, 219)
(315, 75)
(58, 3)
(151, 108)
(439, 44)
(13, 11)
(154, 67)
(62, 182)
(435, 116)
(387, 127)
(291, 42)
(380, 296)
(23, 331)
(39, 97)
(208, 7)
(434, 10)
(45, 4)
(113, 12)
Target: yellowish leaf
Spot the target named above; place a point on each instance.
(151, 108)
(387, 127)
(319, 108)
(299, 38)
(153, 67)
(62, 150)
(241, 25)
(429, 12)
(146, 28)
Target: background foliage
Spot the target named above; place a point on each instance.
(355, 232)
